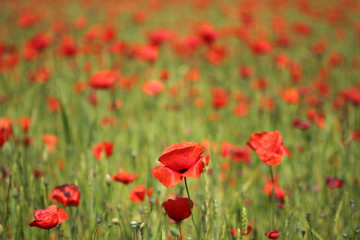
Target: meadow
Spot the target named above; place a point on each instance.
(117, 116)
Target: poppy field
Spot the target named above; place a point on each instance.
(180, 119)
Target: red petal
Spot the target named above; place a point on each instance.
(196, 170)
(182, 155)
(51, 208)
(166, 176)
(62, 215)
(177, 209)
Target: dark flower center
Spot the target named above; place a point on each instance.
(183, 170)
(67, 194)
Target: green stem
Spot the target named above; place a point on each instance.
(192, 216)
(180, 236)
(273, 199)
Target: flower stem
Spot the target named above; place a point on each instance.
(192, 217)
(180, 236)
(273, 199)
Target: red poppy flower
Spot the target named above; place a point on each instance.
(38, 173)
(208, 33)
(50, 142)
(303, 125)
(261, 46)
(67, 195)
(53, 104)
(278, 192)
(67, 47)
(152, 87)
(103, 147)
(148, 53)
(139, 192)
(24, 122)
(124, 177)
(180, 160)
(6, 131)
(49, 218)
(269, 147)
(219, 97)
(177, 209)
(273, 234)
(291, 95)
(241, 154)
(295, 72)
(103, 79)
(246, 71)
(334, 182)
(248, 231)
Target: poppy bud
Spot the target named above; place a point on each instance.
(345, 235)
(115, 221)
(188, 237)
(352, 203)
(46, 182)
(108, 180)
(98, 220)
(7, 150)
(133, 225)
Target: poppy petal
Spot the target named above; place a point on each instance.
(196, 170)
(181, 156)
(166, 176)
(62, 215)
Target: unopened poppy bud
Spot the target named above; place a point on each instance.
(152, 200)
(357, 230)
(118, 207)
(98, 220)
(352, 203)
(133, 154)
(133, 225)
(7, 150)
(46, 183)
(303, 233)
(109, 224)
(345, 235)
(108, 180)
(308, 215)
(115, 221)
(14, 193)
(188, 237)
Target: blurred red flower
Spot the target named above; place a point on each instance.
(49, 218)
(273, 234)
(124, 177)
(50, 142)
(178, 209)
(139, 192)
(303, 125)
(261, 46)
(152, 87)
(6, 130)
(103, 79)
(53, 104)
(269, 147)
(291, 96)
(67, 195)
(334, 182)
(24, 122)
(180, 160)
(102, 148)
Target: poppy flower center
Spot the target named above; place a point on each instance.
(183, 170)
